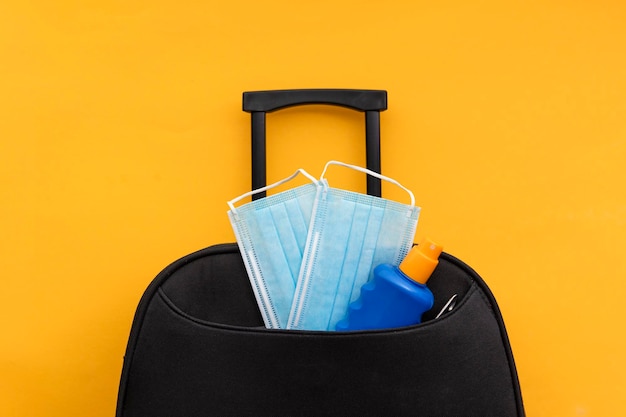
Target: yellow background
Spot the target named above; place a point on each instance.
(122, 138)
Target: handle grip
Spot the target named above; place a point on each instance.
(272, 100)
(371, 102)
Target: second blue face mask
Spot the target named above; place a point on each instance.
(349, 234)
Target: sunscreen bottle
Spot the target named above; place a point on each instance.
(395, 296)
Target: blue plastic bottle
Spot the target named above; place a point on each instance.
(395, 296)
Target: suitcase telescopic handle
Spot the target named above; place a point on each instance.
(371, 102)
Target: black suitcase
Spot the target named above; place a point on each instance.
(198, 347)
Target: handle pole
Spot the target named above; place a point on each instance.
(372, 151)
(259, 170)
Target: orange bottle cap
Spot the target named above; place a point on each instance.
(421, 261)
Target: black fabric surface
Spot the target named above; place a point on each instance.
(197, 348)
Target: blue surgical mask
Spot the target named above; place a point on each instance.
(271, 233)
(350, 234)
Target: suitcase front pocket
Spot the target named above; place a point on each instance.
(235, 370)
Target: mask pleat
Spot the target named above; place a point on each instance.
(364, 232)
(339, 217)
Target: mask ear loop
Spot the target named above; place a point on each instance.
(372, 173)
(232, 202)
